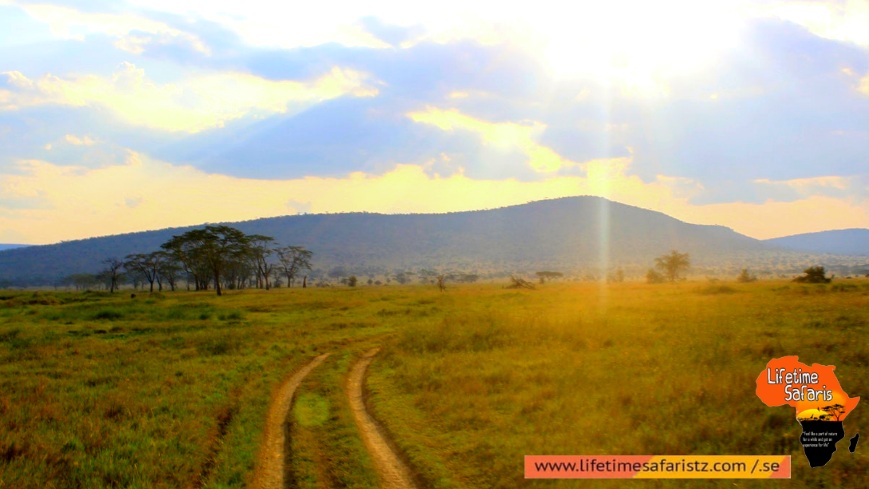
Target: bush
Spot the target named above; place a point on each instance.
(745, 277)
(814, 275)
(109, 314)
(653, 277)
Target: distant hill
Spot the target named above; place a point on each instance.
(841, 242)
(582, 236)
(10, 246)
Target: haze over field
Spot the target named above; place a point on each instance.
(118, 117)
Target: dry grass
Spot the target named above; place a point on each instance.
(626, 369)
(171, 391)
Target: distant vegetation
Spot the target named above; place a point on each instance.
(218, 257)
(670, 267)
(814, 275)
(544, 276)
(571, 236)
(744, 277)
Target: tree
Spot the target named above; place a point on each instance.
(834, 410)
(519, 283)
(112, 272)
(352, 280)
(183, 250)
(212, 250)
(463, 277)
(814, 275)
(673, 265)
(259, 252)
(653, 277)
(442, 282)
(147, 265)
(403, 277)
(543, 276)
(293, 259)
(82, 281)
(745, 277)
(168, 270)
(426, 276)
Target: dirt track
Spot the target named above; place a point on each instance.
(393, 473)
(270, 468)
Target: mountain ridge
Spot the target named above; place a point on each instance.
(850, 241)
(583, 235)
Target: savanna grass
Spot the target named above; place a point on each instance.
(621, 369)
(169, 391)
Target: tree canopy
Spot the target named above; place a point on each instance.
(223, 256)
(814, 275)
(673, 265)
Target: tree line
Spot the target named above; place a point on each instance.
(214, 257)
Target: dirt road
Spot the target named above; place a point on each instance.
(393, 473)
(270, 470)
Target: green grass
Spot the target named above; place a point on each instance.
(326, 448)
(113, 392)
(171, 390)
(627, 369)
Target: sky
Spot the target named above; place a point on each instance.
(124, 116)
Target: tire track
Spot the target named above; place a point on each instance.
(271, 470)
(393, 473)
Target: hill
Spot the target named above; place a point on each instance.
(841, 242)
(584, 236)
(10, 246)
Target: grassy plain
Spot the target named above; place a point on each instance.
(620, 369)
(171, 390)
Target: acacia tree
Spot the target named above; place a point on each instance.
(168, 270)
(213, 248)
(182, 249)
(546, 275)
(112, 273)
(260, 251)
(834, 410)
(673, 264)
(147, 265)
(293, 259)
(442, 282)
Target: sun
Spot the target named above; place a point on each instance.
(637, 45)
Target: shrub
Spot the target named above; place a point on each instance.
(653, 277)
(745, 277)
(814, 275)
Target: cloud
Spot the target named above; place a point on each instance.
(199, 102)
(770, 109)
(854, 188)
(267, 24)
(77, 141)
(841, 21)
(864, 85)
(132, 32)
(504, 136)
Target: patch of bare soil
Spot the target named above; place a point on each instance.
(393, 473)
(270, 470)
